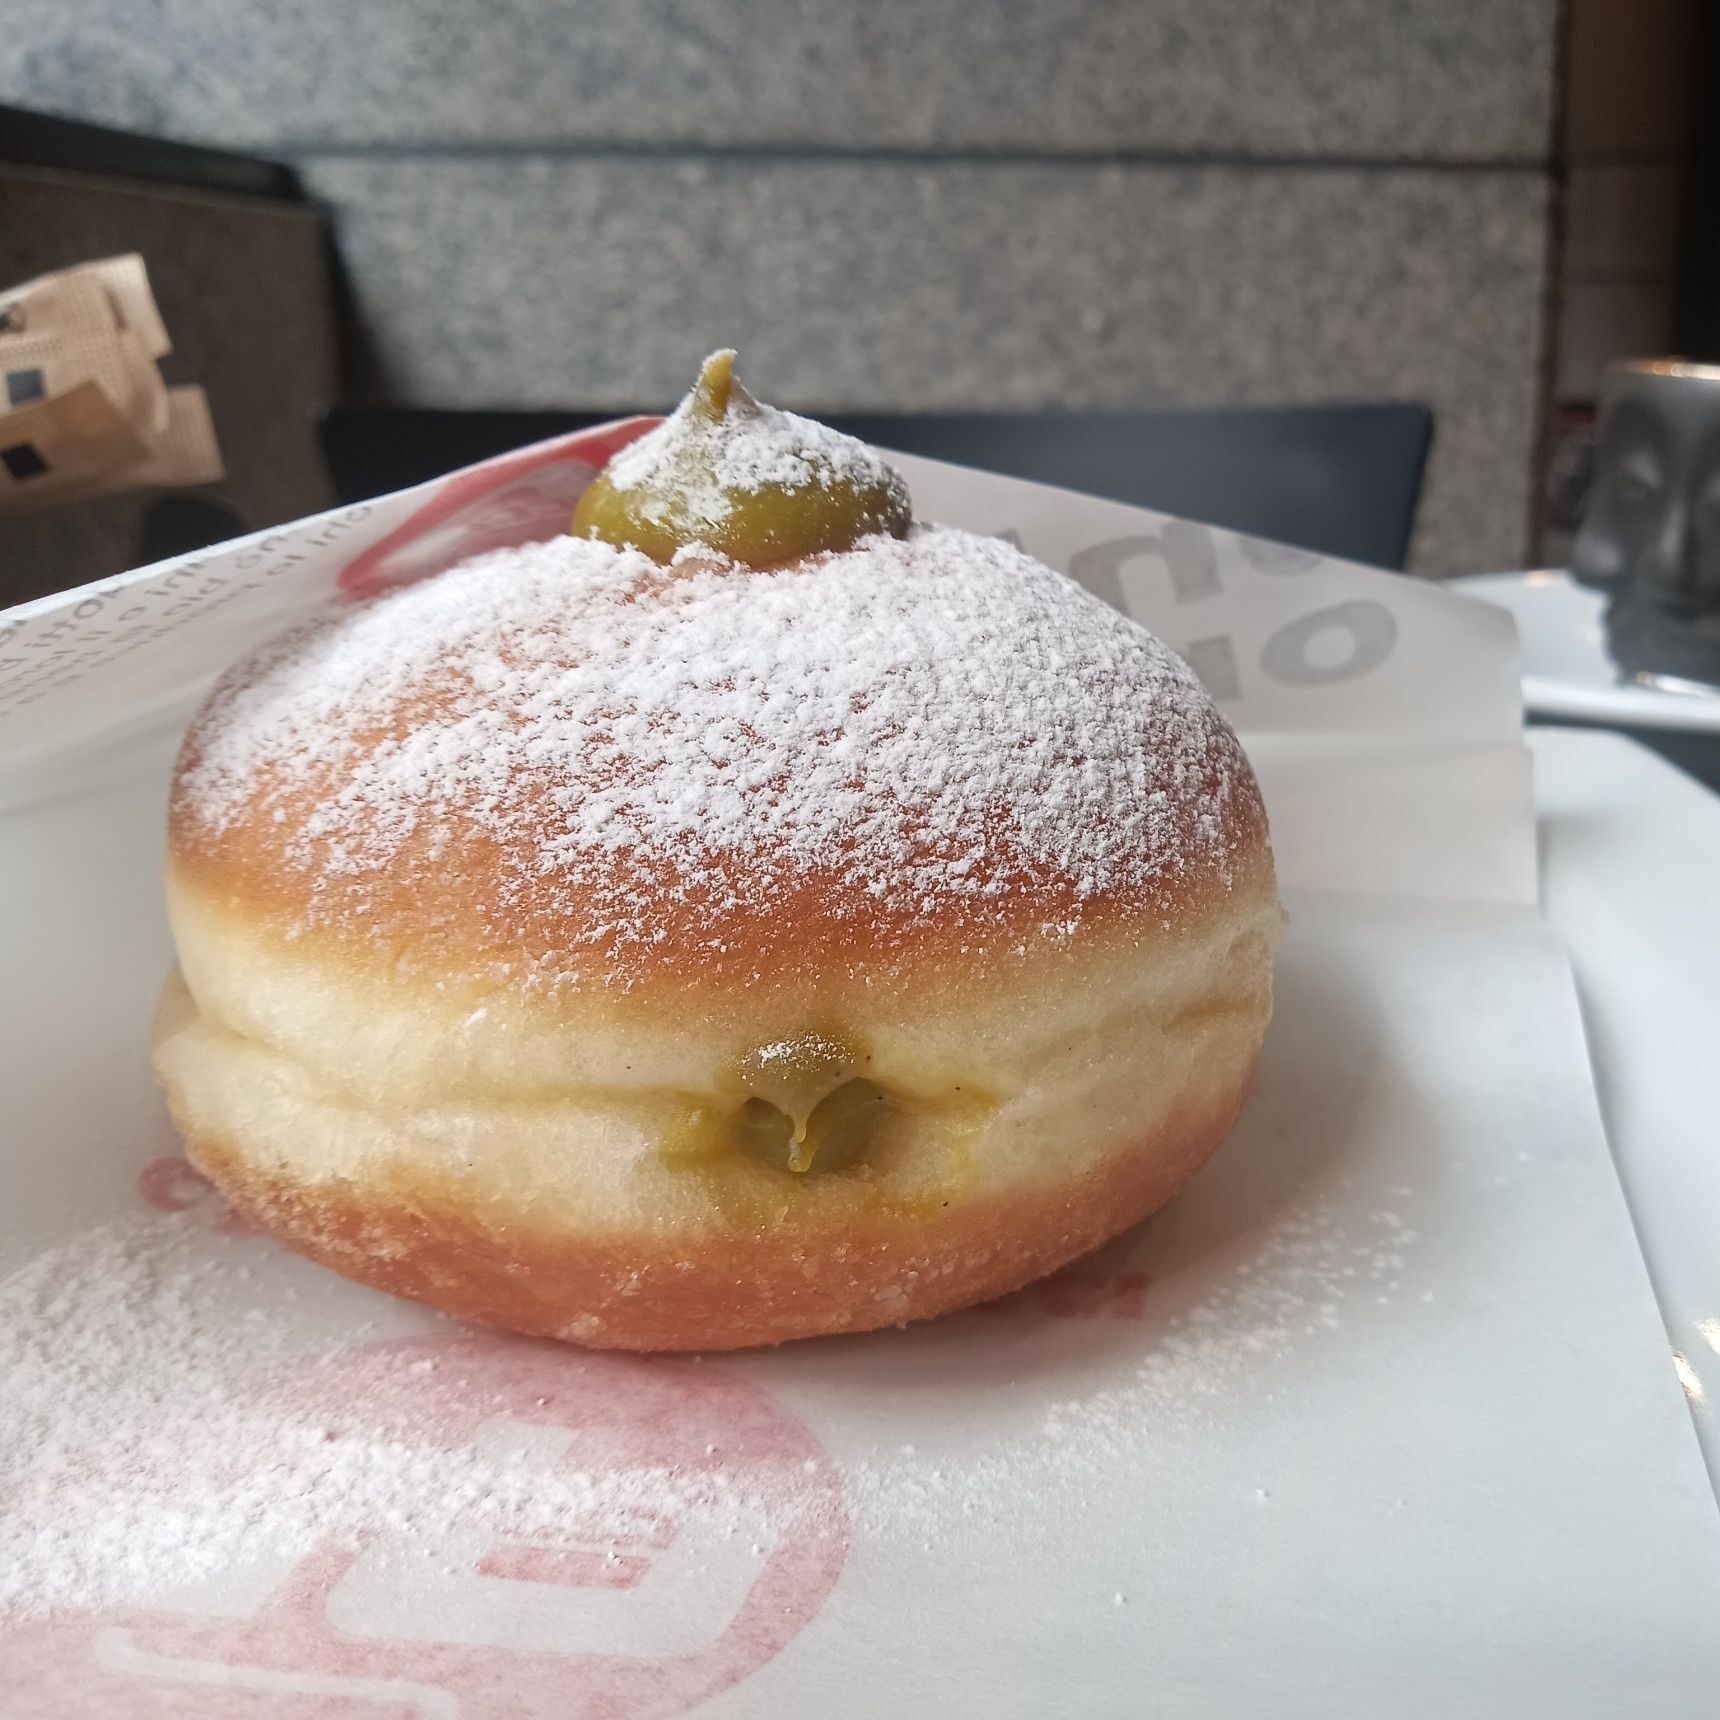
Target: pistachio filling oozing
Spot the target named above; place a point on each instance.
(833, 1137)
(796, 1104)
(686, 500)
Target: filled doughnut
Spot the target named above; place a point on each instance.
(751, 915)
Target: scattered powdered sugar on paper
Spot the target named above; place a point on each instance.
(1291, 1290)
(1180, 1369)
(143, 1450)
(749, 447)
(159, 1426)
(939, 728)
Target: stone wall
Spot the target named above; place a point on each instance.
(903, 203)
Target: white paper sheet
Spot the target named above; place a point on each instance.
(1377, 1418)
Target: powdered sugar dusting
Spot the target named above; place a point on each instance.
(928, 728)
(166, 1419)
(140, 1456)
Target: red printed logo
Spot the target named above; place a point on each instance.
(517, 498)
(621, 1611)
(176, 1185)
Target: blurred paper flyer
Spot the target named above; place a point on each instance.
(87, 411)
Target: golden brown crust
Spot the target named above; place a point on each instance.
(724, 1288)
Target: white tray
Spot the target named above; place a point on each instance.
(1628, 873)
(1377, 1418)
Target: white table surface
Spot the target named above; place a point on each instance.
(1630, 878)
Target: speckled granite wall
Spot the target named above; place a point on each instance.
(903, 203)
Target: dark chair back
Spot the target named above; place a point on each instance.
(1343, 480)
